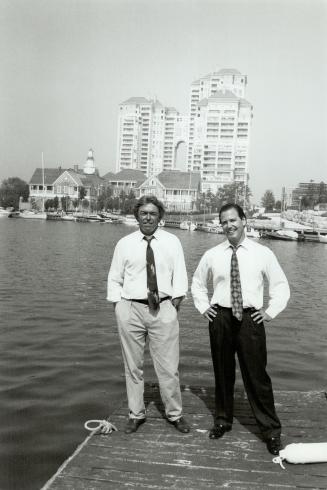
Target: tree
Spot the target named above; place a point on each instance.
(268, 200)
(56, 202)
(82, 193)
(278, 205)
(11, 190)
(104, 198)
(237, 193)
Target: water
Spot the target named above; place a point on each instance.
(60, 361)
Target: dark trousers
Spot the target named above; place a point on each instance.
(248, 339)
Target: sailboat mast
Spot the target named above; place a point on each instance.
(42, 182)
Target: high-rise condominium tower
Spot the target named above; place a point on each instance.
(148, 135)
(219, 129)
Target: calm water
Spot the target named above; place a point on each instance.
(60, 361)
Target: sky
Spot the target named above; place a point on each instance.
(66, 65)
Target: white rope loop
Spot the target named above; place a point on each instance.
(102, 426)
(279, 460)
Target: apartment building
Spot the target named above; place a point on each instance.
(148, 135)
(219, 129)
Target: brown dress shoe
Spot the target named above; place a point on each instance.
(181, 425)
(218, 431)
(133, 424)
(274, 445)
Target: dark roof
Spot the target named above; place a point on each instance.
(109, 176)
(136, 100)
(86, 179)
(228, 71)
(126, 174)
(175, 179)
(50, 175)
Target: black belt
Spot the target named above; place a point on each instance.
(251, 308)
(146, 302)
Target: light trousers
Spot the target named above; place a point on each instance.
(135, 324)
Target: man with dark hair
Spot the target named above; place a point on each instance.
(236, 317)
(147, 282)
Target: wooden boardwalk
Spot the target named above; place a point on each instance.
(158, 457)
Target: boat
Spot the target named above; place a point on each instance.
(130, 220)
(322, 238)
(289, 235)
(4, 213)
(309, 236)
(94, 218)
(188, 225)
(68, 217)
(26, 214)
(252, 232)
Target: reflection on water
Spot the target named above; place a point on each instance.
(60, 360)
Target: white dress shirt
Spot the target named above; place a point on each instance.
(127, 275)
(256, 262)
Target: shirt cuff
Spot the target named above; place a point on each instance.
(114, 298)
(272, 312)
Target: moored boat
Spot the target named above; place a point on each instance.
(4, 213)
(288, 235)
(130, 220)
(33, 214)
(252, 232)
(188, 225)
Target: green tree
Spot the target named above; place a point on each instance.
(65, 203)
(278, 205)
(56, 202)
(322, 192)
(237, 193)
(104, 198)
(11, 190)
(82, 193)
(268, 200)
(49, 204)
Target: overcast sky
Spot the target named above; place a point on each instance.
(67, 64)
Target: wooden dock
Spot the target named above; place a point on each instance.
(159, 457)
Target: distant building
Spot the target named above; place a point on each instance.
(51, 182)
(148, 136)
(125, 180)
(219, 129)
(314, 192)
(176, 189)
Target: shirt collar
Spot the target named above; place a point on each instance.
(156, 234)
(244, 244)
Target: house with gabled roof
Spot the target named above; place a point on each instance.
(126, 180)
(60, 182)
(177, 190)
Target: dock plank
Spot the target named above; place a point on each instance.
(158, 457)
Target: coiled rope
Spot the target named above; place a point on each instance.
(102, 426)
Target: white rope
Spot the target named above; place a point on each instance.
(102, 427)
(279, 460)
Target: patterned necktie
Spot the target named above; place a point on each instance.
(235, 287)
(153, 294)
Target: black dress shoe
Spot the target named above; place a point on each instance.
(181, 425)
(133, 424)
(218, 431)
(274, 445)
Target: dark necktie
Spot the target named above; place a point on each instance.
(235, 287)
(152, 286)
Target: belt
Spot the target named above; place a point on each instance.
(146, 302)
(251, 308)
